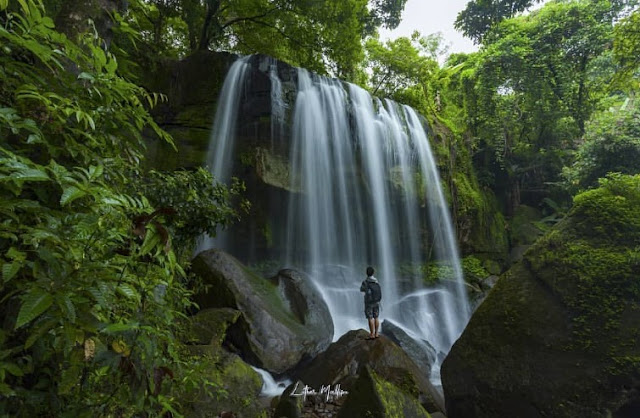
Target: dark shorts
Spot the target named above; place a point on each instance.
(372, 311)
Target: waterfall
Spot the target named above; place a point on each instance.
(364, 190)
(271, 387)
(222, 143)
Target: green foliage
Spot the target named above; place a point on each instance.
(323, 36)
(198, 204)
(480, 16)
(83, 111)
(401, 64)
(612, 211)
(626, 51)
(526, 96)
(611, 144)
(91, 289)
(385, 13)
(432, 273)
(473, 269)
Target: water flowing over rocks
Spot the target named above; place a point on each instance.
(283, 319)
(335, 177)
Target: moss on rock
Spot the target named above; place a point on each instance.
(372, 396)
(557, 335)
(232, 385)
(277, 328)
(209, 326)
(344, 360)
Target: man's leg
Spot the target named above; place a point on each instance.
(376, 313)
(372, 329)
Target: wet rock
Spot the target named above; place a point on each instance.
(290, 406)
(345, 359)
(283, 320)
(420, 351)
(372, 396)
(209, 326)
(241, 385)
(558, 333)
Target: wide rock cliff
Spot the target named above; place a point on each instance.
(558, 334)
(261, 156)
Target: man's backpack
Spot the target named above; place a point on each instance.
(374, 293)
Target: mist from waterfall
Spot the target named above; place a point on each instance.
(368, 193)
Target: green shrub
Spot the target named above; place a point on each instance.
(611, 144)
(91, 292)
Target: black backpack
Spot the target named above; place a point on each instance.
(374, 293)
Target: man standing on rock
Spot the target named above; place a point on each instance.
(372, 297)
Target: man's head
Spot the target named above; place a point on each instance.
(370, 271)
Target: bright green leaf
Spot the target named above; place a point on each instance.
(34, 304)
(126, 290)
(95, 172)
(86, 76)
(30, 174)
(9, 270)
(151, 240)
(116, 328)
(25, 7)
(70, 194)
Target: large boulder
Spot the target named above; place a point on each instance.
(290, 405)
(372, 396)
(558, 334)
(284, 319)
(209, 326)
(303, 299)
(346, 358)
(420, 351)
(235, 386)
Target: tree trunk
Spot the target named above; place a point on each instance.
(212, 10)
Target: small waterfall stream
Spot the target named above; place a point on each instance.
(368, 193)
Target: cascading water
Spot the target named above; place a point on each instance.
(220, 156)
(364, 190)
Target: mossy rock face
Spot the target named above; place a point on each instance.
(372, 396)
(280, 323)
(346, 358)
(275, 170)
(235, 386)
(191, 87)
(558, 334)
(209, 326)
